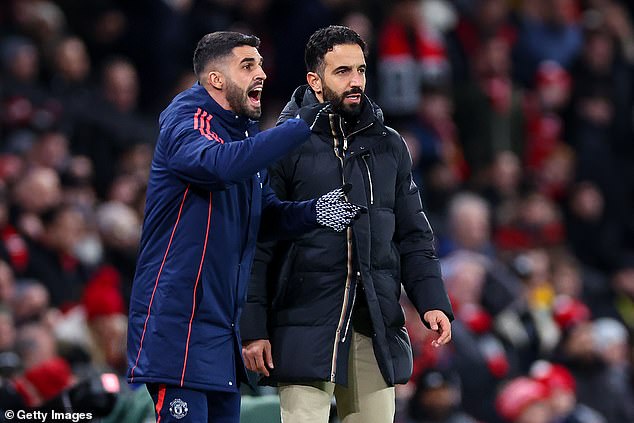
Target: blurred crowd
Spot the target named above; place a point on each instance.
(519, 116)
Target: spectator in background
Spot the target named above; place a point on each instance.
(561, 394)
(612, 341)
(54, 258)
(503, 188)
(13, 248)
(600, 116)
(7, 330)
(535, 223)
(478, 356)
(24, 102)
(71, 82)
(106, 319)
(549, 161)
(548, 30)
(408, 54)
(523, 400)
(437, 399)
(489, 109)
(7, 283)
(35, 344)
(482, 20)
(37, 192)
(577, 352)
(31, 303)
(120, 229)
(440, 166)
(114, 126)
(592, 235)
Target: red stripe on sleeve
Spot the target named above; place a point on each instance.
(202, 128)
(196, 115)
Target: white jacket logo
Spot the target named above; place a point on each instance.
(178, 408)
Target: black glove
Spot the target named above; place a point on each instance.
(335, 212)
(311, 114)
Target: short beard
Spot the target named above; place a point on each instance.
(346, 110)
(239, 102)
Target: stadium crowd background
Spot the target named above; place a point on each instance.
(519, 118)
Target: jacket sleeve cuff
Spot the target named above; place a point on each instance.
(253, 323)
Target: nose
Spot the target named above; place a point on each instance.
(261, 75)
(356, 80)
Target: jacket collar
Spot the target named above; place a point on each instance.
(304, 96)
(235, 124)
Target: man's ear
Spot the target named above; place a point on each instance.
(216, 79)
(314, 81)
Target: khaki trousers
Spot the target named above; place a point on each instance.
(367, 399)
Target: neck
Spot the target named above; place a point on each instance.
(219, 96)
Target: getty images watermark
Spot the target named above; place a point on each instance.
(46, 416)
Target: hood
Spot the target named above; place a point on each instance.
(304, 96)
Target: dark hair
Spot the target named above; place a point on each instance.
(217, 45)
(323, 40)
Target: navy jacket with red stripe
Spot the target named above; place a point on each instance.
(206, 195)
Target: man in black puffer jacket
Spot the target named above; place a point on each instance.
(323, 314)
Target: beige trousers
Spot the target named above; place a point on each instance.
(367, 399)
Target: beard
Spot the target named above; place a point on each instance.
(239, 101)
(346, 110)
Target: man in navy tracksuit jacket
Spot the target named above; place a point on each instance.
(206, 196)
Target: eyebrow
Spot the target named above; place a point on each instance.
(251, 59)
(343, 67)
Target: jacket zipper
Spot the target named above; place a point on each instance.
(346, 295)
(354, 298)
(367, 167)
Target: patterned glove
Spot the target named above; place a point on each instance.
(335, 212)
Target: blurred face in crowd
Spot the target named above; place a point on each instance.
(39, 190)
(110, 335)
(51, 150)
(342, 80)
(624, 282)
(506, 172)
(243, 79)
(562, 402)
(35, 345)
(66, 230)
(538, 412)
(24, 64)
(491, 13)
(7, 331)
(587, 202)
(470, 224)
(579, 345)
(465, 284)
(567, 279)
(30, 303)
(7, 283)
(599, 51)
(439, 401)
(435, 107)
(121, 85)
(494, 58)
(72, 60)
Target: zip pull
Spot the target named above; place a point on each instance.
(367, 167)
(354, 297)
